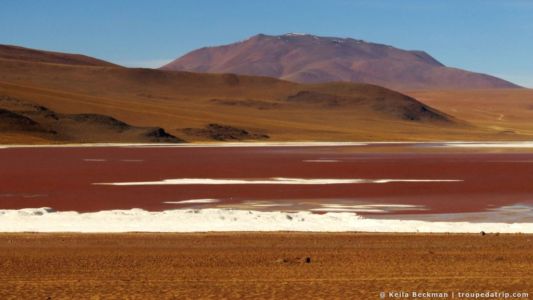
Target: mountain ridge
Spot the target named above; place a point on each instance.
(306, 58)
(12, 52)
(56, 102)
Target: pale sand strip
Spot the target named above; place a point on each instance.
(274, 180)
(437, 144)
(224, 220)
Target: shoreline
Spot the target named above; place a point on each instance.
(257, 234)
(229, 220)
(442, 143)
(157, 189)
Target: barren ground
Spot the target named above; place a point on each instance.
(265, 265)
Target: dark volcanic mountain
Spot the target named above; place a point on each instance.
(35, 121)
(312, 59)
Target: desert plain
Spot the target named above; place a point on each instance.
(266, 265)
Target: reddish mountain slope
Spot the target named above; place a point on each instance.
(313, 59)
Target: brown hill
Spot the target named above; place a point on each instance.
(509, 111)
(313, 59)
(26, 54)
(89, 101)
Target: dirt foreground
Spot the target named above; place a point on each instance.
(261, 265)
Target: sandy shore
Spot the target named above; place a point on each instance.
(259, 265)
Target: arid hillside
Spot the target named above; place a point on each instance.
(26, 54)
(216, 107)
(313, 59)
(506, 110)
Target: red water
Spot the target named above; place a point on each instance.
(62, 178)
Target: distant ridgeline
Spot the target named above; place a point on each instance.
(312, 59)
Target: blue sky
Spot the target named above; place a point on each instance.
(494, 37)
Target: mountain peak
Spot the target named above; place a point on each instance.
(295, 34)
(307, 58)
